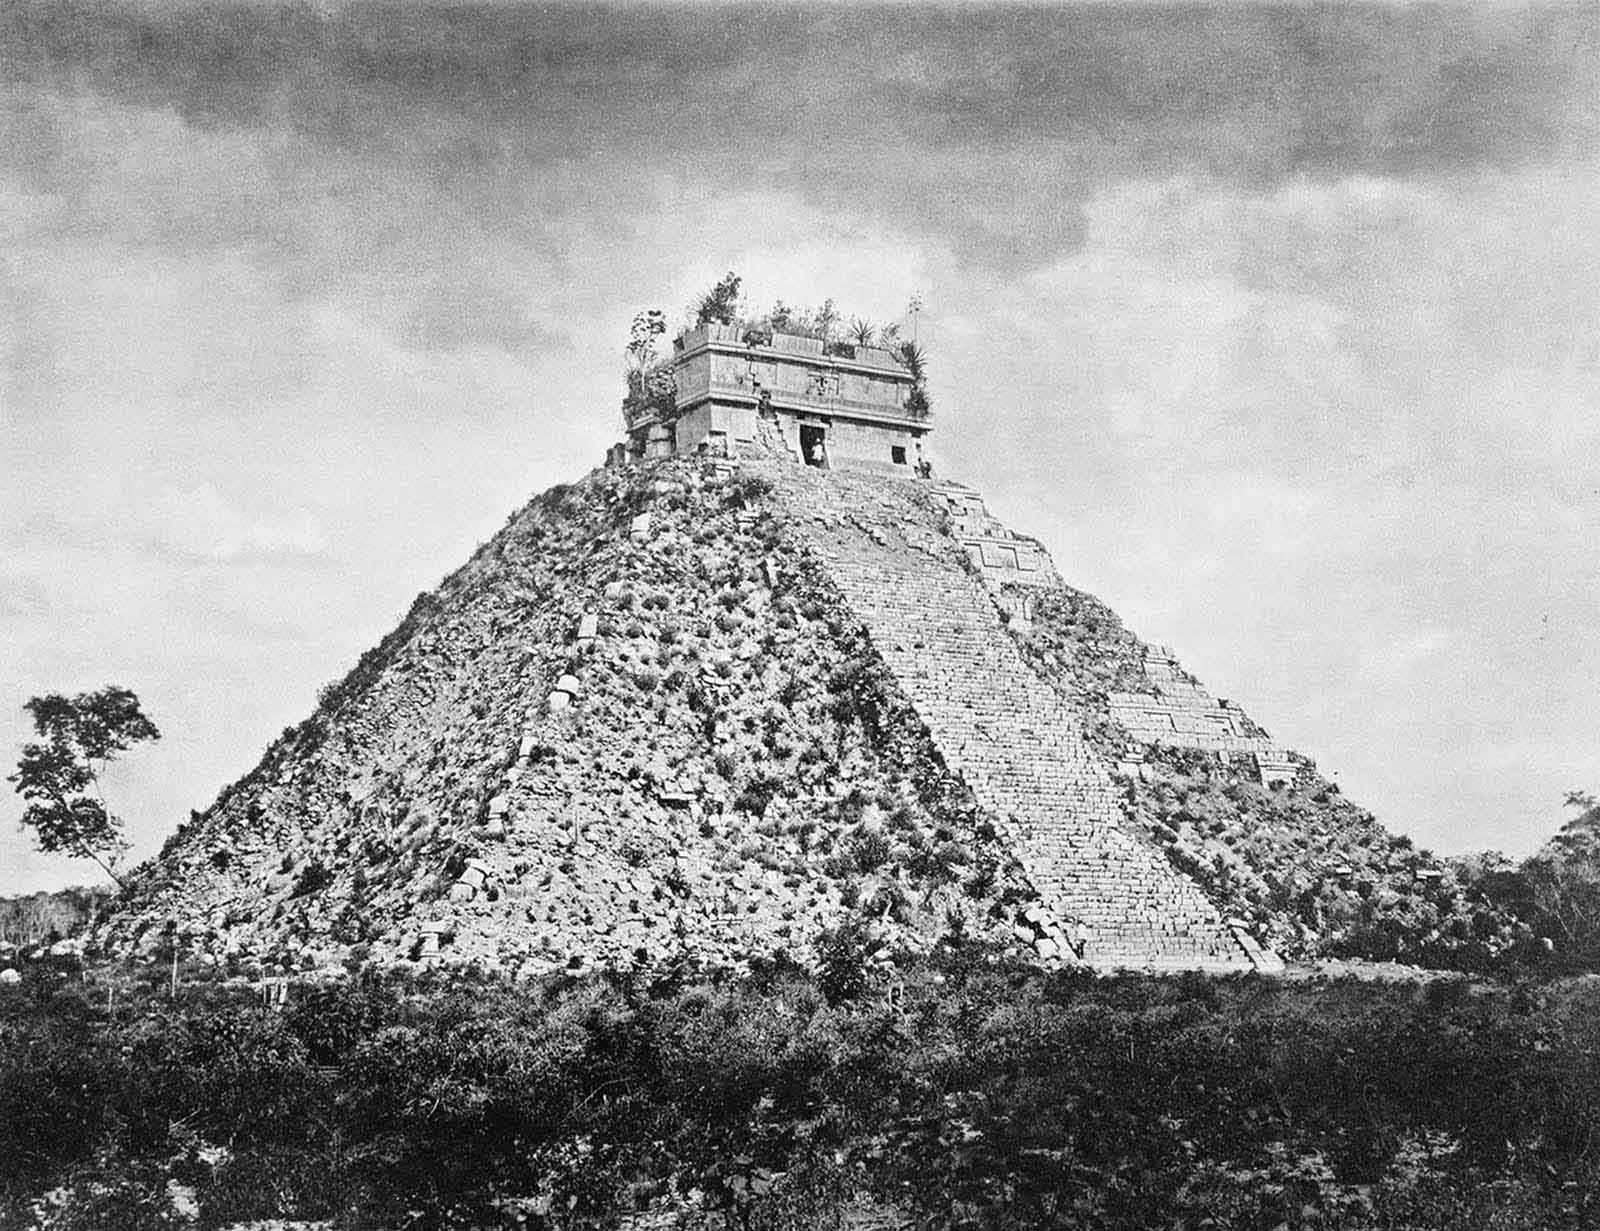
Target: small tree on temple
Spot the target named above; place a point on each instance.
(719, 305)
(652, 383)
(827, 320)
(647, 327)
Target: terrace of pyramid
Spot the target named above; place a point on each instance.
(761, 675)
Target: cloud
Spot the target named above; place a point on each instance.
(1278, 323)
(199, 522)
(981, 128)
(1296, 431)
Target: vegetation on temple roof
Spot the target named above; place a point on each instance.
(651, 378)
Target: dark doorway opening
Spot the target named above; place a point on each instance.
(812, 451)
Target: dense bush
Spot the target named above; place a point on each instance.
(964, 1091)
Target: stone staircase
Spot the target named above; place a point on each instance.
(1110, 898)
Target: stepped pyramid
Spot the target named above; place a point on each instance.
(759, 676)
(1113, 899)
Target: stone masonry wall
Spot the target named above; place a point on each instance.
(1179, 713)
(1115, 900)
(1001, 554)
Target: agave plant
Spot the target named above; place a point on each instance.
(915, 359)
(862, 333)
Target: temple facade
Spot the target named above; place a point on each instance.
(829, 405)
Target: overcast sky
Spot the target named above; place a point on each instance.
(1280, 327)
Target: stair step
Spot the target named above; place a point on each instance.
(1000, 727)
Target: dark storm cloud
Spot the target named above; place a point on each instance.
(1276, 322)
(939, 121)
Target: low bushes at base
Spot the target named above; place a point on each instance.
(966, 1092)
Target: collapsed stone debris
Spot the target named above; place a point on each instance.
(699, 710)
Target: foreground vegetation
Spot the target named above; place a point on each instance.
(967, 1092)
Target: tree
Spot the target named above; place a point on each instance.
(720, 304)
(1557, 889)
(826, 320)
(651, 384)
(60, 776)
(647, 327)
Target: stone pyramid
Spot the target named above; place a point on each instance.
(703, 710)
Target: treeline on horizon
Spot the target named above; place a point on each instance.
(970, 1090)
(47, 916)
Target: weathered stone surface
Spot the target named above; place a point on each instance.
(1004, 730)
(782, 696)
(708, 749)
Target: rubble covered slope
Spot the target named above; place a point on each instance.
(638, 726)
(703, 712)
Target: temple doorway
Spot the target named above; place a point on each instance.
(813, 449)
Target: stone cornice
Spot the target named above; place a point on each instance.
(701, 341)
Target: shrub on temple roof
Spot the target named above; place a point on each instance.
(826, 319)
(782, 316)
(915, 360)
(719, 305)
(652, 390)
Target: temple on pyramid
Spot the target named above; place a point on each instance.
(761, 676)
(838, 404)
